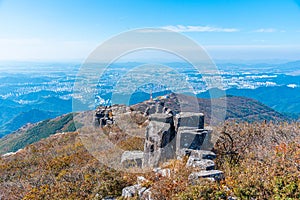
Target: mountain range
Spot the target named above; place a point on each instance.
(236, 109)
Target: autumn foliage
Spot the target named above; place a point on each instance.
(260, 161)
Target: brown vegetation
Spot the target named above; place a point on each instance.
(260, 161)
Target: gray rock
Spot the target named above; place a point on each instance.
(141, 180)
(161, 117)
(159, 107)
(204, 154)
(201, 154)
(162, 172)
(109, 198)
(215, 174)
(151, 109)
(147, 195)
(190, 119)
(132, 159)
(202, 164)
(190, 138)
(134, 190)
(159, 143)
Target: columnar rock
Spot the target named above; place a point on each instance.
(167, 135)
(160, 140)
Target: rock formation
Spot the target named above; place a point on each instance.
(169, 136)
(160, 140)
(103, 116)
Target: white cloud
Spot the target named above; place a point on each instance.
(182, 28)
(266, 30)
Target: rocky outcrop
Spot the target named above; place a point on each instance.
(103, 116)
(168, 134)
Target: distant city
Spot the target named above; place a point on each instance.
(19, 82)
(47, 89)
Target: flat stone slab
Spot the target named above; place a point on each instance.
(191, 139)
(202, 164)
(215, 174)
(161, 117)
(201, 154)
(204, 154)
(132, 159)
(190, 119)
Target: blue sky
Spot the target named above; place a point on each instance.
(228, 29)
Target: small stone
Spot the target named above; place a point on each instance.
(108, 198)
(215, 174)
(147, 195)
(133, 190)
(132, 159)
(203, 154)
(163, 172)
(202, 164)
(141, 180)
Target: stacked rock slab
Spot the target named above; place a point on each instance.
(190, 131)
(168, 136)
(160, 140)
(201, 161)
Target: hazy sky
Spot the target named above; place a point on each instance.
(70, 29)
